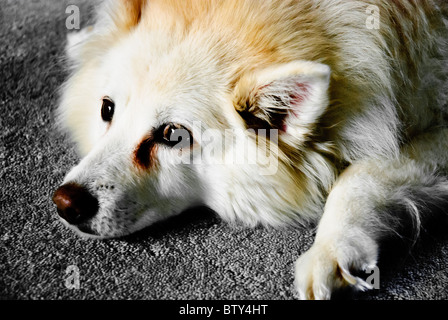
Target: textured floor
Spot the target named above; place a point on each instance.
(192, 257)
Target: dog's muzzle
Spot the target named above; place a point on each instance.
(75, 203)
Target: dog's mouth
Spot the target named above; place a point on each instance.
(103, 228)
(104, 213)
(81, 211)
(86, 229)
(83, 230)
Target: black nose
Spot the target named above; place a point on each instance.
(75, 203)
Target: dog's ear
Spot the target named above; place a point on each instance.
(289, 97)
(113, 18)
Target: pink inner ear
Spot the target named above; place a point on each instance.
(298, 95)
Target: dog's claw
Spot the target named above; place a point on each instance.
(320, 272)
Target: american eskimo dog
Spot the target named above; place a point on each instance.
(344, 98)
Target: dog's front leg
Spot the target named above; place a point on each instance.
(345, 237)
(367, 203)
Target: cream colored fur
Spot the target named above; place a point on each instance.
(351, 104)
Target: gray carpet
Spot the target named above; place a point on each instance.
(195, 256)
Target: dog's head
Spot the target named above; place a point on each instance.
(167, 115)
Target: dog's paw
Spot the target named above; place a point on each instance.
(324, 269)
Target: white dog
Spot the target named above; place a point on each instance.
(170, 103)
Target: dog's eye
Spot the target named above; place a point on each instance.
(177, 136)
(107, 109)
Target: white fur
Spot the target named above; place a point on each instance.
(353, 144)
